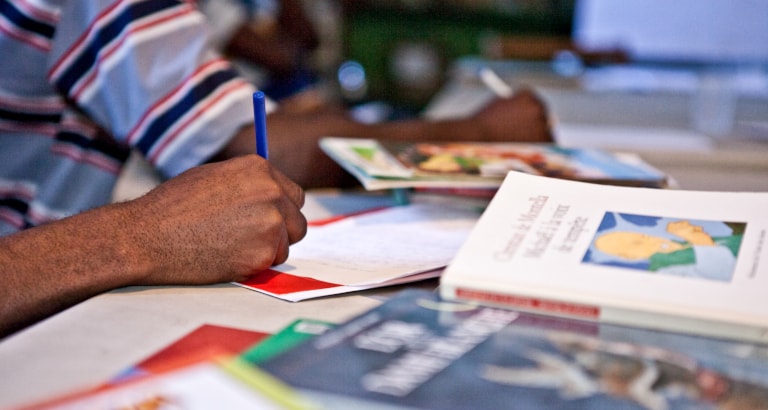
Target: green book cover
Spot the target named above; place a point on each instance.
(286, 339)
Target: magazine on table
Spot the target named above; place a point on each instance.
(419, 351)
(481, 165)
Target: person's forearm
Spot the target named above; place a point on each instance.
(316, 125)
(294, 137)
(522, 117)
(214, 223)
(51, 267)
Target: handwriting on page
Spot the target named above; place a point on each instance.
(382, 245)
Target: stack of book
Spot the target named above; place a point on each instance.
(564, 294)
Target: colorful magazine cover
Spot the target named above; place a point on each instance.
(201, 341)
(393, 164)
(211, 383)
(419, 351)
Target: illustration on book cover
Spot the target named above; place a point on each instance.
(703, 249)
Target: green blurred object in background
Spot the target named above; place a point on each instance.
(406, 46)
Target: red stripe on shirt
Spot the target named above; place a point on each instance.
(193, 114)
(174, 94)
(131, 30)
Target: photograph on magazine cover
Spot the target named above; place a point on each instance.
(419, 351)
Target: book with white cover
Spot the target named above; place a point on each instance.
(690, 261)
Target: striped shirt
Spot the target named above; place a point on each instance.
(84, 81)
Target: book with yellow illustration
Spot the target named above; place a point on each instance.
(691, 261)
(390, 164)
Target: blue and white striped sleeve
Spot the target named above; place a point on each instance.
(144, 70)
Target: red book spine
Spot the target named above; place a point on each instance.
(533, 304)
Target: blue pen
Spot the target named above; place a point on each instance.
(260, 121)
